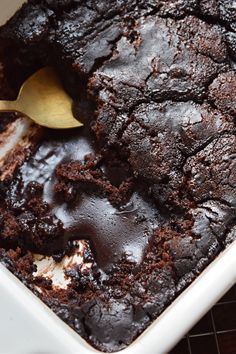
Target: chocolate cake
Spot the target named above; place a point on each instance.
(134, 205)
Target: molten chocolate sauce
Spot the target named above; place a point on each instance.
(114, 233)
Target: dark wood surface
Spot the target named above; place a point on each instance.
(215, 333)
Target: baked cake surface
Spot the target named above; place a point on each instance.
(135, 204)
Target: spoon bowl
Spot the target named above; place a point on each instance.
(43, 99)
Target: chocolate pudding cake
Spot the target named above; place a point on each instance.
(108, 223)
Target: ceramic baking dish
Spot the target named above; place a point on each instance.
(27, 326)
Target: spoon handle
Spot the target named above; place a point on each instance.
(8, 106)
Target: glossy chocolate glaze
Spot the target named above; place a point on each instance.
(114, 232)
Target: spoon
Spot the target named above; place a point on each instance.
(43, 99)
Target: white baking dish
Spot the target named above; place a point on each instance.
(27, 326)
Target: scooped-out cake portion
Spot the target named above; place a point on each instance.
(108, 223)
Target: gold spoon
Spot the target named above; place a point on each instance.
(43, 99)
